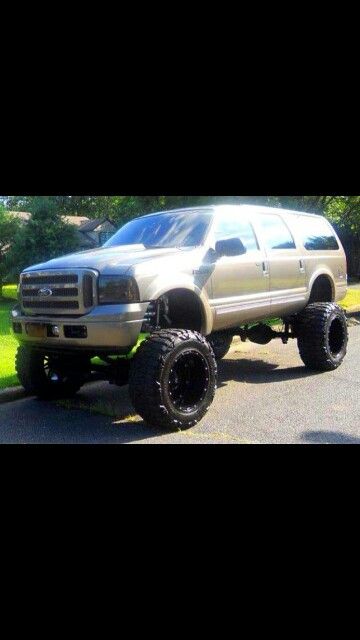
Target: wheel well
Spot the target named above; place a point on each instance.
(185, 311)
(178, 309)
(322, 290)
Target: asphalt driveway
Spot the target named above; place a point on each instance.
(265, 395)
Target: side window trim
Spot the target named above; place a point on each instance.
(254, 230)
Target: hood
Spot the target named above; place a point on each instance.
(109, 260)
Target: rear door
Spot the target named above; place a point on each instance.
(240, 284)
(322, 251)
(285, 264)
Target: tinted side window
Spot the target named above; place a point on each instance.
(234, 225)
(276, 233)
(318, 235)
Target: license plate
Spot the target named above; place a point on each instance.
(36, 330)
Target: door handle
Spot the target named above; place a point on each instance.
(302, 266)
(265, 267)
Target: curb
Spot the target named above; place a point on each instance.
(11, 394)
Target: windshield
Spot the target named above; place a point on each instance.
(165, 230)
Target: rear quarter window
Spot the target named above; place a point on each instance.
(317, 235)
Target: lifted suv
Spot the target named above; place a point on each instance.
(161, 301)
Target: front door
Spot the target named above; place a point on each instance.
(240, 284)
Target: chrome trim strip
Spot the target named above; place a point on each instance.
(272, 300)
(241, 307)
(58, 285)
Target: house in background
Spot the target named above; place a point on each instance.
(22, 216)
(94, 233)
(91, 233)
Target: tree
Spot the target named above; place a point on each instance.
(17, 203)
(119, 207)
(8, 229)
(45, 236)
(342, 210)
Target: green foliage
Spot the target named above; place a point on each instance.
(17, 203)
(8, 229)
(344, 211)
(45, 236)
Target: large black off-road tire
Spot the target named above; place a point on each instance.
(322, 336)
(47, 376)
(172, 379)
(220, 344)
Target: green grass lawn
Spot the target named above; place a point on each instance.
(9, 291)
(352, 299)
(8, 344)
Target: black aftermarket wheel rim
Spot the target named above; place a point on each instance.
(53, 376)
(336, 337)
(189, 381)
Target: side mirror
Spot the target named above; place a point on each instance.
(230, 247)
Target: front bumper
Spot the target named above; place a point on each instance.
(112, 328)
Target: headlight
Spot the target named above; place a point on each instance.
(117, 289)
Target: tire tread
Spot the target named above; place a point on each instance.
(29, 369)
(311, 328)
(144, 385)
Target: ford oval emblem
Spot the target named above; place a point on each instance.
(45, 293)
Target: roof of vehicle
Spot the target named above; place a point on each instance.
(248, 207)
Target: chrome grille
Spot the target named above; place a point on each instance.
(58, 292)
(64, 293)
(52, 278)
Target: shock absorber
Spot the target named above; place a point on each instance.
(157, 315)
(150, 322)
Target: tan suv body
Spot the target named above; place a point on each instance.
(287, 254)
(249, 263)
